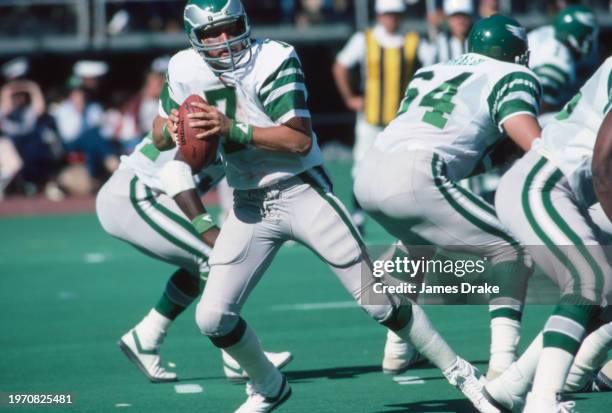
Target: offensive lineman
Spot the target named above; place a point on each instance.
(556, 50)
(452, 114)
(553, 185)
(133, 205)
(281, 192)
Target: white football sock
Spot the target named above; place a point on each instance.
(553, 367)
(427, 340)
(395, 345)
(591, 355)
(265, 378)
(152, 328)
(505, 335)
(516, 380)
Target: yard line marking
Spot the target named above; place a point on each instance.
(404, 380)
(67, 295)
(120, 405)
(94, 257)
(314, 306)
(188, 388)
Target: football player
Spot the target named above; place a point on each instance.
(257, 104)
(554, 184)
(556, 50)
(134, 206)
(452, 113)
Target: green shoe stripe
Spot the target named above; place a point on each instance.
(139, 346)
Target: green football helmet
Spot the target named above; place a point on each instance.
(208, 18)
(501, 38)
(576, 27)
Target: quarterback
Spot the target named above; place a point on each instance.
(134, 206)
(257, 103)
(553, 185)
(453, 113)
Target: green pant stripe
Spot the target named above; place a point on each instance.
(188, 226)
(569, 232)
(436, 165)
(156, 226)
(477, 201)
(561, 341)
(536, 227)
(332, 202)
(506, 313)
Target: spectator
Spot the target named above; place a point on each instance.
(23, 119)
(452, 43)
(80, 119)
(142, 108)
(10, 163)
(381, 77)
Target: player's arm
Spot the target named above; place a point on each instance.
(514, 107)
(293, 136)
(179, 184)
(164, 131)
(602, 165)
(342, 77)
(523, 129)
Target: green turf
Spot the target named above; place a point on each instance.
(61, 318)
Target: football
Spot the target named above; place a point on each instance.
(198, 153)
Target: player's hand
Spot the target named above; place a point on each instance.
(172, 124)
(210, 236)
(210, 120)
(355, 103)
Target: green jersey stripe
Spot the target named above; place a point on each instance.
(154, 225)
(290, 63)
(609, 105)
(166, 100)
(515, 106)
(280, 82)
(552, 71)
(512, 83)
(290, 101)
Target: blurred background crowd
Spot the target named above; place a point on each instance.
(81, 79)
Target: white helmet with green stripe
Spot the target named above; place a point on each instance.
(209, 18)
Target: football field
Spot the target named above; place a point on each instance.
(68, 292)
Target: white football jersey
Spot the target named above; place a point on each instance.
(568, 140)
(553, 64)
(457, 109)
(146, 161)
(267, 92)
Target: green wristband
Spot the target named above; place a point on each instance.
(203, 223)
(166, 133)
(240, 132)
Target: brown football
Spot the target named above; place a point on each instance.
(198, 153)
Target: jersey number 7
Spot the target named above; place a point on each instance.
(440, 100)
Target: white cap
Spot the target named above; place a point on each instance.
(390, 6)
(458, 6)
(160, 64)
(90, 68)
(15, 68)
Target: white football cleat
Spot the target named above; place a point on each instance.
(399, 355)
(258, 403)
(537, 404)
(234, 372)
(470, 382)
(145, 358)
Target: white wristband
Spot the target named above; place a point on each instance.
(176, 177)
